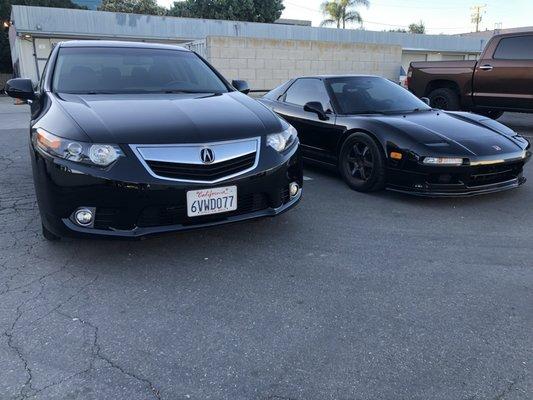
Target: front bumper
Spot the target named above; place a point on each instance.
(140, 205)
(462, 181)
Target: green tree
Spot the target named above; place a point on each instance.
(417, 28)
(340, 12)
(5, 15)
(147, 7)
(238, 10)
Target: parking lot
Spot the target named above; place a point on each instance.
(350, 296)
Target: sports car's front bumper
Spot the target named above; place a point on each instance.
(433, 181)
(130, 203)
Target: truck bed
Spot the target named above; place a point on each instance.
(444, 64)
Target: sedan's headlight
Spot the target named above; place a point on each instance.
(101, 155)
(449, 161)
(283, 140)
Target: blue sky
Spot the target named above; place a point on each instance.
(446, 16)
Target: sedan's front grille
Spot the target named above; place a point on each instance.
(210, 162)
(202, 172)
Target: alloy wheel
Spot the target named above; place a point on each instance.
(360, 162)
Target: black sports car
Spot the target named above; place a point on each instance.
(380, 135)
(130, 139)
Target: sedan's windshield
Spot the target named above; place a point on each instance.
(363, 95)
(89, 70)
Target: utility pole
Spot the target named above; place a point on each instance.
(477, 14)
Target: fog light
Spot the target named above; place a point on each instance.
(84, 216)
(294, 188)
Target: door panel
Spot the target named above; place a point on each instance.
(504, 81)
(318, 138)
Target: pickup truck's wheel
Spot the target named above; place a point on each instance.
(362, 163)
(444, 99)
(494, 114)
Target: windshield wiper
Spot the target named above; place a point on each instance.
(368, 112)
(186, 91)
(418, 109)
(91, 92)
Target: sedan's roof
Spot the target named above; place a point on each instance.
(118, 43)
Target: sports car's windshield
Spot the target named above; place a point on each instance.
(363, 95)
(110, 70)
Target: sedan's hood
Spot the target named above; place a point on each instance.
(447, 133)
(168, 118)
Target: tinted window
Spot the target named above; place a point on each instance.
(359, 95)
(515, 48)
(276, 93)
(132, 70)
(306, 90)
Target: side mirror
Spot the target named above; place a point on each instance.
(426, 100)
(316, 107)
(241, 86)
(20, 88)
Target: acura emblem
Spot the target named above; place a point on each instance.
(207, 155)
(497, 148)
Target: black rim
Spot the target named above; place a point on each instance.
(440, 102)
(360, 162)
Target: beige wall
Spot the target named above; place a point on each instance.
(3, 79)
(265, 63)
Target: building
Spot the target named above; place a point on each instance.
(263, 54)
(89, 4)
(487, 34)
(297, 22)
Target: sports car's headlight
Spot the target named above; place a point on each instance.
(443, 161)
(100, 155)
(281, 141)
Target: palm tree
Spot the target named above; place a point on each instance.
(339, 12)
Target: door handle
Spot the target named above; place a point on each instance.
(486, 67)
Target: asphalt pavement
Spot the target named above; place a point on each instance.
(349, 297)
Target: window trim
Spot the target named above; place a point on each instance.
(283, 97)
(511, 59)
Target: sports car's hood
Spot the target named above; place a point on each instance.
(449, 133)
(168, 118)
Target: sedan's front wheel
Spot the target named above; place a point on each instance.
(52, 237)
(362, 164)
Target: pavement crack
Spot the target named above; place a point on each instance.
(97, 354)
(28, 384)
(507, 389)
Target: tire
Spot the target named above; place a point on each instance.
(444, 99)
(362, 163)
(51, 237)
(494, 114)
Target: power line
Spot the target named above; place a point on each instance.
(314, 10)
(389, 5)
(477, 15)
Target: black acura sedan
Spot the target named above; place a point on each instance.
(131, 139)
(379, 135)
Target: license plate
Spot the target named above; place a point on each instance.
(211, 201)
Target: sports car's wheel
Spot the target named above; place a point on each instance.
(444, 99)
(362, 164)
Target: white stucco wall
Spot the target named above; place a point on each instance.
(265, 63)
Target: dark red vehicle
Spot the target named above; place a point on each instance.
(501, 80)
